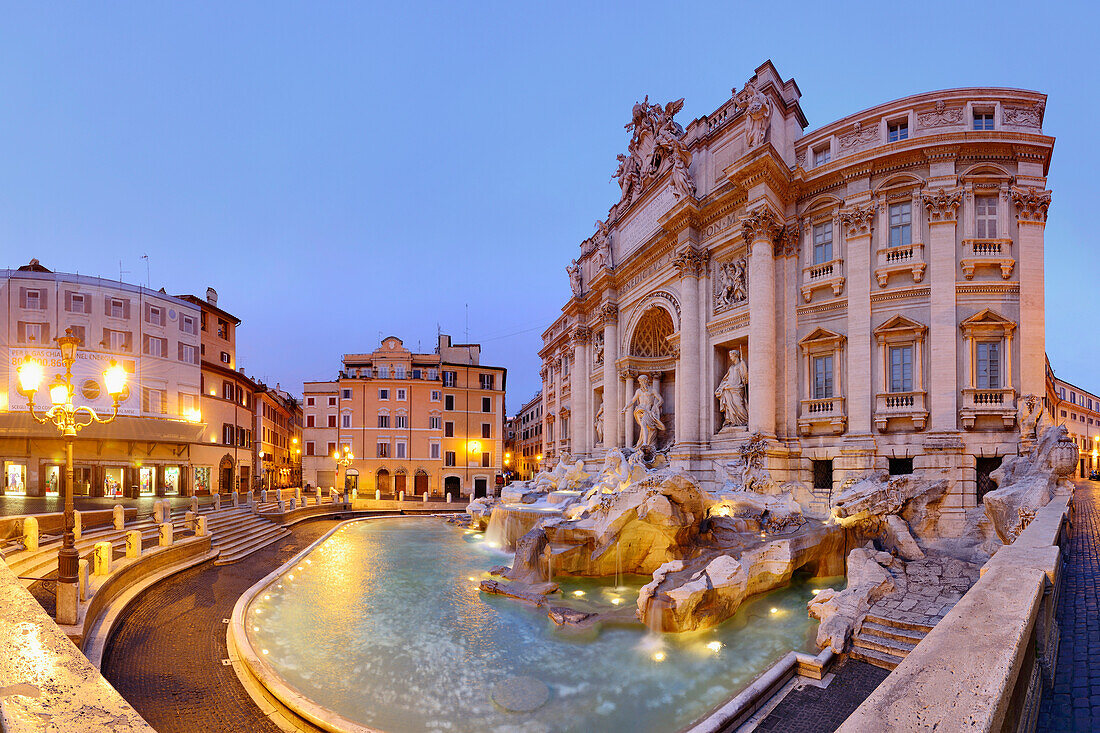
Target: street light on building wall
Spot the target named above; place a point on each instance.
(67, 419)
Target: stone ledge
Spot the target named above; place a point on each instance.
(44, 677)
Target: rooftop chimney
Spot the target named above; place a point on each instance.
(211, 296)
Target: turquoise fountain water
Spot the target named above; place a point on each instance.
(384, 624)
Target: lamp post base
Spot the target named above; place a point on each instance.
(67, 596)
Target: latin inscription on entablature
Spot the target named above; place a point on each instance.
(643, 223)
(716, 227)
(654, 267)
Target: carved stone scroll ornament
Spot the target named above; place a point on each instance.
(942, 204)
(731, 284)
(761, 223)
(1024, 116)
(858, 137)
(858, 221)
(1031, 204)
(941, 117)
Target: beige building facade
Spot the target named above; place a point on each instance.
(415, 423)
(1079, 410)
(864, 296)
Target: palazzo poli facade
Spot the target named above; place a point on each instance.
(867, 296)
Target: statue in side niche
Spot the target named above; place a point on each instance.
(732, 390)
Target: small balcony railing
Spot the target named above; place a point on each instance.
(997, 403)
(906, 259)
(826, 413)
(900, 406)
(824, 275)
(994, 253)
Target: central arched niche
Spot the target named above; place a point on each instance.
(650, 338)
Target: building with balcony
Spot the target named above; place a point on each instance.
(278, 438)
(415, 423)
(865, 296)
(527, 448)
(1079, 410)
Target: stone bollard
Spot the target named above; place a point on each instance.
(425, 497)
(263, 495)
(165, 534)
(30, 534)
(78, 526)
(189, 520)
(298, 494)
(377, 495)
(282, 507)
(119, 517)
(82, 579)
(236, 498)
(160, 511)
(200, 527)
(448, 497)
(218, 502)
(293, 503)
(247, 499)
(355, 493)
(102, 556)
(195, 504)
(401, 496)
(133, 543)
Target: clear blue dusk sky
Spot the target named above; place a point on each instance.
(339, 171)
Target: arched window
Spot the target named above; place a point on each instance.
(651, 334)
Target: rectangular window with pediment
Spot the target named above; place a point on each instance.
(823, 242)
(823, 377)
(901, 368)
(901, 224)
(985, 217)
(988, 367)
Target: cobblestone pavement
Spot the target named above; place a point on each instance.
(165, 656)
(926, 589)
(1074, 703)
(822, 709)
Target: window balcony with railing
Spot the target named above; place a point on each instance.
(907, 258)
(997, 403)
(995, 253)
(826, 413)
(825, 275)
(911, 406)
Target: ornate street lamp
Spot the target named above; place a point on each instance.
(66, 418)
(345, 461)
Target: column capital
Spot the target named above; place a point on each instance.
(580, 335)
(943, 205)
(627, 373)
(691, 262)
(608, 312)
(1031, 204)
(761, 223)
(858, 220)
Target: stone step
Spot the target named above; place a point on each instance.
(884, 621)
(239, 552)
(879, 659)
(896, 633)
(882, 644)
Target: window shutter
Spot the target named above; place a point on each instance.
(42, 298)
(88, 304)
(126, 309)
(45, 333)
(146, 314)
(22, 297)
(106, 305)
(129, 340)
(22, 332)
(69, 301)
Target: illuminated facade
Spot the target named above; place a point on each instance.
(865, 296)
(418, 423)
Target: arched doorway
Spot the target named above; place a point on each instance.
(225, 475)
(399, 481)
(420, 481)
(453, 486)
(382, 482)
(351, 479)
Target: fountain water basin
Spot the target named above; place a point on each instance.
(382, 624)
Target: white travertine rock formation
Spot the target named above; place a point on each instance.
(840, 613)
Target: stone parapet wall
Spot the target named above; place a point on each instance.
(43, 677)
(984, 666)
(54, 522)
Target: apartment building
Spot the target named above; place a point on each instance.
(415, 423)
(1079, 410)
(278, 436)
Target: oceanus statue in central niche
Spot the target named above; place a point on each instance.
(647, 403)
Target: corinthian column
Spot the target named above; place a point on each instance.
(858, 223)
(943, 331)
(760, 228)
(582, 431)
(690, 262)
(1031, 217)
(612, 401)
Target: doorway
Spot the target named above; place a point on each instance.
(172, 481)
(453, 486)
(481, 486)
(399, 482)
(112, 482)
(383, 481)
(147, 480)
(15, 479)
(351, 480)
(53, 480)
(420, 483)
(225, 475)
